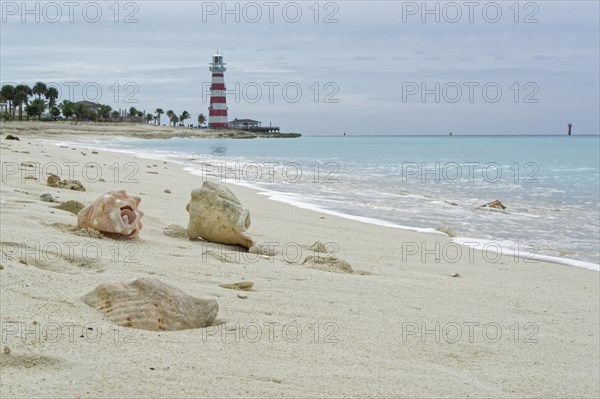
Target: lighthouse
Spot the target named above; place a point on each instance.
(217, 111)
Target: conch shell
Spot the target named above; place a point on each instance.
(115, 214)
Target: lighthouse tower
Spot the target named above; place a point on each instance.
(217, 111)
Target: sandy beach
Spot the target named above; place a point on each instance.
(399, 326)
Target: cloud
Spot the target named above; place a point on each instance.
(372, 49)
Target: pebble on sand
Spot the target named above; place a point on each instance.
(55, 181)
(46, 197)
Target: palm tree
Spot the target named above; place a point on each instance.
(52, 95)
(40, 89)
(149, 117)
(22, 93)
(201, 120)
(140, 114)
(81, 110)
(8, 93)
(159, 112)
(36, 108)
(55, 112)
(170, 114)
(19, 99)
(104, 112)
(115, 115)
(67, 109)
(184, 115)
(133, 111)
(174, 119)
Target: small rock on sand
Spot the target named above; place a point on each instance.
(455, 275)
(55, 181)
(94, 152)
(240, 285)
(70, 206)
(46, 197)
(174, 230)
(11, 137)
(167, 191)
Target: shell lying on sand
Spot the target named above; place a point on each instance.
(115, 214)
(150, 304)
(216, 215)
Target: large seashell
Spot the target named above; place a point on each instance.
(216, 215)
(150, 304)
(115, 214)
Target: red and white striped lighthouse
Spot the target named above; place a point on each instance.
(217, 111)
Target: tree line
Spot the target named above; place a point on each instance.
(23, 98)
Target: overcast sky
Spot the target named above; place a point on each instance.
(362, 66)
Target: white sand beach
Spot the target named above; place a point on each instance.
(399, 326)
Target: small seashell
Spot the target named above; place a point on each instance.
(455, 275)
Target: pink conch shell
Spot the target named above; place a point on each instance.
(115, 214)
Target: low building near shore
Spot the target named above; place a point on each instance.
(244, 124)
(251, 124)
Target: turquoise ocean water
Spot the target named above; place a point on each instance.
(550, 185)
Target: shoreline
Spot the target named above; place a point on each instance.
(372, 325)
(133, 130)
(493, 246)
